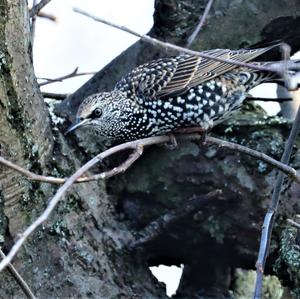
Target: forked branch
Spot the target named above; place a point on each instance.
(73, 74)
(138, 146)
(36, 8)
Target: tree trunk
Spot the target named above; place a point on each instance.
(81, 251)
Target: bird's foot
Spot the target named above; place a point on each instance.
(172, 144)
(203, 138)
(202, 132)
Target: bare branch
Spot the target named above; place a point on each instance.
(286, 54)
(277, 100)
(270, 215)
(43, 217)
(104, 175)
(56, 96)
(155, 42)
(139, 144)
(156, 227)
(200, 24)
(36, 8)
(123, 167)
(46, 16)
(18, 278)
(63, 189)
(294, 223)
(68, 76)
(32, 25)
(260, 156)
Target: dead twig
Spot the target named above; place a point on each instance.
(18, 278)
(36, 8)
(32, 25)
(277, 100)
(104, 175)
(122, 167)
(68, 76)
(286, 54)
(293, 223)
(137, 147)
(276, 67)
(270, 215)
(46, 16)
(139, 144)
(63, 189)
(200, 24)
(156, 227)
(33, 19)
(56, 96)
(260, 156)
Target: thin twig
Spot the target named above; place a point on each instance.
(33, 20)
(270, 215)
(260, 156)
(103, 175)
(156, 227)
(291, 172)
(62, 190)
(294, 223)
(47, 16)
(200, 24)
(36, 8)
(62, 96)
(153, 41)
(18, 278)
(286, 55)
(137, 146)
(56, 96)
(122, 167)
(68, 76)
(277, 100)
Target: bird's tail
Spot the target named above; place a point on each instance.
(282, 71)
(286, 69)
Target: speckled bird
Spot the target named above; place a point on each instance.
(182, 93)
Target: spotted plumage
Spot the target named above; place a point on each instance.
(168, 94)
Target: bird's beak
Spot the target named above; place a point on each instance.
(77, 123)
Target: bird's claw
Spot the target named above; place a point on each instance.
(172, 144)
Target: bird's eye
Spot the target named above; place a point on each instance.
(97, 112)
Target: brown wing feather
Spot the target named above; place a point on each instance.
(169, 76)
(206, 69)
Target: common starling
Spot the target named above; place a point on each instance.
(171, 94)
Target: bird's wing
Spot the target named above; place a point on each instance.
(175, 75)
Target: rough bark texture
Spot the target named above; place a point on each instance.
(78, 252)
(81, 251)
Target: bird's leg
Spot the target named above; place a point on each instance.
(203, 138)
(190, 130)
(172, 144)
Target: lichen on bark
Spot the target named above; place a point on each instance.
(81, 250)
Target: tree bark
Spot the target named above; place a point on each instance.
(81, 251)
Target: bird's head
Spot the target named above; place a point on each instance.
(106, 112)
